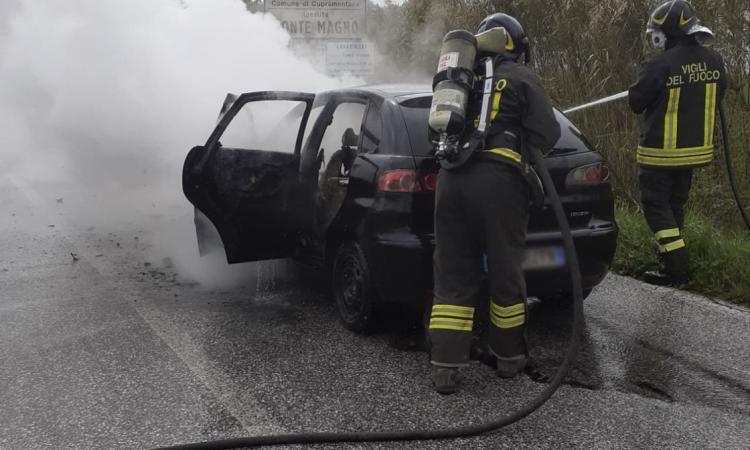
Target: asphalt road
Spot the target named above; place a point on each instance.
(101, 346)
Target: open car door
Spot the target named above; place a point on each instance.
(246, 181)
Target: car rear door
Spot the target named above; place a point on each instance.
(245, 180)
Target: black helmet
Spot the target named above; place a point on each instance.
(675, 19)
(517, 43)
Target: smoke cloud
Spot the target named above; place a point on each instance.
(100, 100)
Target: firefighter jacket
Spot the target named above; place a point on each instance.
(521, 115)
(678, 92)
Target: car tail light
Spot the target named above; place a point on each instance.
(429, 181)
(590, 175)
(408, 181)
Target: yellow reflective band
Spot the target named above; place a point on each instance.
(672, 246)
(453, 313)
(683, 20)
(508, 153)
(670, 153)
(497, 99)
(671, 117)
(466, 309)
(663, 19)
(496, 105)
(676, 162)
(513, 322)
(671, 233)
(710, 114)
(508, 311)
(451, 324)
(509, 44)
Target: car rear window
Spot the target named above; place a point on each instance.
(416, 114)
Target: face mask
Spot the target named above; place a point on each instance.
(657, 39)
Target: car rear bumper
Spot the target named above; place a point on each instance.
(402, 262)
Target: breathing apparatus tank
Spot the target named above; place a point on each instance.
(452, 86)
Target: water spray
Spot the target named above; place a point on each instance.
(725, 142)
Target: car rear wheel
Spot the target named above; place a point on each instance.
(562, 299)
(352, 288)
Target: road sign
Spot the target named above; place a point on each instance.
(321, 19)
(356, 58)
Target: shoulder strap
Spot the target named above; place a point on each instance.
(489, 73)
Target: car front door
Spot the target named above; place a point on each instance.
(246, 181)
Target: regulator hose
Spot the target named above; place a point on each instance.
(730, 166)
(457, 432)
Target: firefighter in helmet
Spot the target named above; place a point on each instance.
(482, 209)
(677, 92)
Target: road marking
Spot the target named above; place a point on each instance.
(247, 411)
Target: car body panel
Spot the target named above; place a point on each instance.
(253, 197)
(396, 230)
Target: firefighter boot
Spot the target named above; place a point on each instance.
(509, 368)
(446, 380)
(674, 273)
(657, 278)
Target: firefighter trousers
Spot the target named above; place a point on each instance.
(663, 196)
(482, 208)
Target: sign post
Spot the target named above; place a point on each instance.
(333, 30)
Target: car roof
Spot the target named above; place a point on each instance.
(389, 90)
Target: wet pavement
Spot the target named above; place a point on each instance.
(103, 346)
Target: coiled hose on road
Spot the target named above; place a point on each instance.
(457, 432)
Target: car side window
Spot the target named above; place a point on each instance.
(372, 130)
(271, 125)
(341, 139)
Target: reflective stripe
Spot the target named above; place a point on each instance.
(670, 119)
(710, 114)
(496, 105)
(513, 322)
(454, 314)
(676, 162)
(497, 99)
(508, 153)
(672, 246)
(507, 311)
(670, 153)
(451, 324)
(464, 309)
(452, 317)
(671, 233)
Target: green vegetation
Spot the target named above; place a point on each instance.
(719, 260)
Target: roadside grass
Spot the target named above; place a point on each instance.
(719, 259)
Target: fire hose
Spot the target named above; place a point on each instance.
(457, 432)
(725, 142)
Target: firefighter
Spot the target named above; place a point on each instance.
(677, 92)
(482, 210)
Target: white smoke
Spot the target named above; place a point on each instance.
(100, 100)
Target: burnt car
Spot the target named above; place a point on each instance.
(345, 181)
